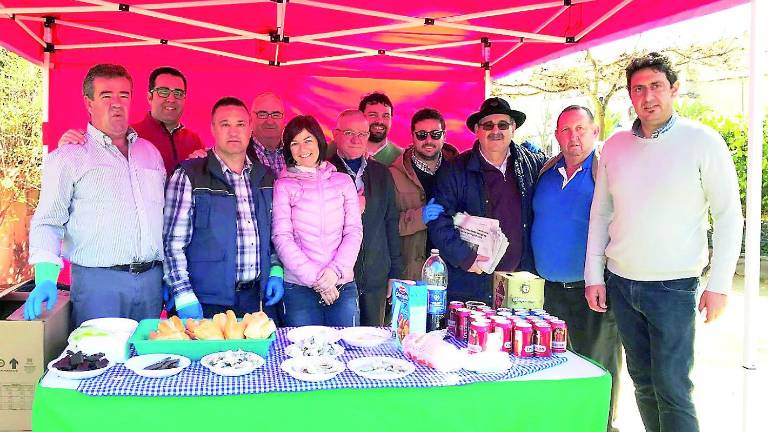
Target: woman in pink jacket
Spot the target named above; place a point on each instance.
(316, 230)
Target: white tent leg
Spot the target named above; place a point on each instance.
(48, 38)
(757, 101)
(488, 83)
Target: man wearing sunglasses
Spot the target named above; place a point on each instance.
(494, 179)
(414, 175)
(162, 125)
(267, 122)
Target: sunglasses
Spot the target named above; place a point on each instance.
(275, 115)
(435, 134)
(164, 92)
(502, 125)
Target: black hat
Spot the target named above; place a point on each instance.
(495, 105)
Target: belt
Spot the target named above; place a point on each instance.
(567, 285)
(136, 267)
(244, 286)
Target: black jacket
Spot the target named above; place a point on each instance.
(460, 188)
(379, 257)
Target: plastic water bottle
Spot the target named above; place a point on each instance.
(435, 275)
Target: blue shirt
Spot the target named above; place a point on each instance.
(561, 222)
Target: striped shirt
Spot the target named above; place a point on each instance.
(177, 233)
(107, 208)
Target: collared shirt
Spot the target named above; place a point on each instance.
(387, 153)
(503, 166)
(106, 207)
(357, 176)
(562, 169)
(637, 129)
(273, 159)
(179, 219)
(420, 164)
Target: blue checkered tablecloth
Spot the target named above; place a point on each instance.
(196, 380)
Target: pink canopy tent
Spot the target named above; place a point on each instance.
(320, 56)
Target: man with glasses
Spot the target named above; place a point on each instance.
(162, 125)
(267, 122)
(494, 179)
(414, 175)
(379, 257)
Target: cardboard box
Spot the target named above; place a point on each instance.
(517, 290)
(26, 347)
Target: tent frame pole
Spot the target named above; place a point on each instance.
(757, 102)
(539, 28)
(603, 19)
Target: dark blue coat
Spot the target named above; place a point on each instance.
(460, 188)
(212, 251)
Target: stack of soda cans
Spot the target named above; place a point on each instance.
(524, 332)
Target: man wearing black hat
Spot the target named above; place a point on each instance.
(494, 179)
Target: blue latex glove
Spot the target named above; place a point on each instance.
(168, 300)
(274, 290)
(45, 291)
(431, 211)
(533, 148)
(194, 311)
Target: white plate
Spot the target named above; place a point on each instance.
(294, 367)
(366, 336)
(362, 365)
(139, 363)
(294, 350)
(330, 335)
(256, 360)
(75, 375)
(115, 325)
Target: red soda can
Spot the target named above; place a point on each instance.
(538, 311)
(542, 339)
(559, 336)
(472, 305)
(489, 313)
(503, 309)
(506, 327)
(532, 318)
(452, 307)
(478, 336)
(522, 345)
(462, 324)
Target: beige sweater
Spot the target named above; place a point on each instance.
(649, 215)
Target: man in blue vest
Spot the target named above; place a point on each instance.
(561, 207)
(217, 228)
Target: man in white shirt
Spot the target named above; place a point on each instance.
(656, 186)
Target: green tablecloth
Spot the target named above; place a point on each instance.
(579, 404)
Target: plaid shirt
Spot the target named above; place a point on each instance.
(420, 164)
(637, 129)
(274, 160)
(177, 233)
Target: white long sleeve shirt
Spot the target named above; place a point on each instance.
(649, 216)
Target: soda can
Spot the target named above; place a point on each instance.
(489, 313)
(559, 336)
(503, 309)
(436, 307)
(522, 343)
(505, 327)
(520, 311)
(532, 318)
(506, 314)
(473, 315)
(542, 339)
(478, 336)
(462, 324)
(472, 305)
(451, 322)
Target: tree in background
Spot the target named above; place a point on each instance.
(601, 79)
(21, 153)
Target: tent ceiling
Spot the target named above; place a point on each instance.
(444, 40)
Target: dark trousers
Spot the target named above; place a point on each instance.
(372, 305)
(656, 321)
(591, 334)
(303, 306)
(246, 301)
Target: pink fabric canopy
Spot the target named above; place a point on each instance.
(321, 56)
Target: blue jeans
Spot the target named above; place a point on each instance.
(656, 322)
(303, 306)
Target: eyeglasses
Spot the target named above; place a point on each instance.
(275, 115)
(435, 134)
(351, 134)
(164, 92)
(502, 125)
